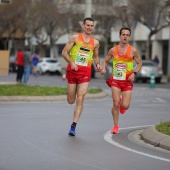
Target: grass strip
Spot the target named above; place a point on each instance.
(164, 127)
(23, 90)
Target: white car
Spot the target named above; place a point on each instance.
(49, 65)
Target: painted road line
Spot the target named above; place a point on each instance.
(108, 138)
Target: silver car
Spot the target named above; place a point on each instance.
(148, 68)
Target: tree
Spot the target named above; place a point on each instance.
(14, 21)
(105, 14)
(51, 20)
(151, 14)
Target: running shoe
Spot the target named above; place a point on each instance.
(72, 131)
(121, 109)
(115, 130)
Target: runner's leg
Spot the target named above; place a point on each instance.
(126, 99)
(71, 93)
(81, 92)
(116, 101)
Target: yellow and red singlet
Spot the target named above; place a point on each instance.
(122, 65)
(82, 55)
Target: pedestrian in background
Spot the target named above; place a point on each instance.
(35, 58)
(20, 65)
(156, 59)
(121, 80)
(27, 64)
(79, 52)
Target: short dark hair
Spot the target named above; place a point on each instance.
(124, 28)
(88, 18)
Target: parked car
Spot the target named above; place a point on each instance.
(12, 64)
(49, 65)
(144, 74)
(149, 67)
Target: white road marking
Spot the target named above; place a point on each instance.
(108, 138)
(135, 127)
(160, 100)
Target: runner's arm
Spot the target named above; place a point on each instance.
(137, 60)
(139, 65)
(96, 55)
(106, 61)
(66, 50)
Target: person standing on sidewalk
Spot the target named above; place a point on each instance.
(27, 64)
(20, 65)
(35, 58)
(123, 75)
(79, 52)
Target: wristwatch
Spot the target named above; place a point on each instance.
(135, 73)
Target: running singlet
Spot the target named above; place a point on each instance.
(82, 55)
(122, 65)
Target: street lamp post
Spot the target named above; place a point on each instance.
(169, 53)
(168, 20)
(88, 11)
(88, 4)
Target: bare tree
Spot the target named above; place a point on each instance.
(50, 20)
(151, 14)
(14, 20)
(105, 14)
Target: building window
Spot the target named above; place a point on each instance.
(5, 1)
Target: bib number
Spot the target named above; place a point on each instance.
(120, 74)
(82, 59)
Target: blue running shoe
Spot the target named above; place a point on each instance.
(72, 131)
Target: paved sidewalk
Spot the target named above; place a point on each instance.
(152, 136)
(45, 98)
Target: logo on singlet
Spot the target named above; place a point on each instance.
(121, 65)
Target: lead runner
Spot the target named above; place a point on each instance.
(123, 75)
(79, 52)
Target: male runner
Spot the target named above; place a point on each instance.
(79, 52)
(123, 75)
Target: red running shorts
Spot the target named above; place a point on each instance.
(77, 78)
(123, 85)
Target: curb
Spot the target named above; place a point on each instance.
(152, 136)
(46, 98)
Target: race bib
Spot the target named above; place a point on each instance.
(82, 59)
(120, 74)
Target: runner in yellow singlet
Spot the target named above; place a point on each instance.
(123, 75)
(79, 52)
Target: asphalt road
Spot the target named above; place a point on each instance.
(34, 136)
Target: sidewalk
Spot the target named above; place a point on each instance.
(46, 98)
(153, 137)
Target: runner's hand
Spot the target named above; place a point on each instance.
(74, 66)
(102, 71)
(131, 77)
(99, 67)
